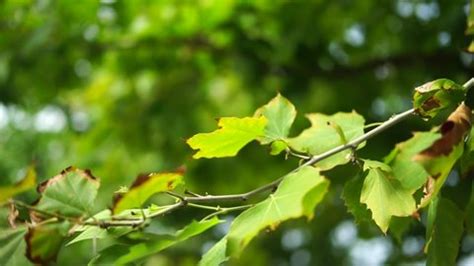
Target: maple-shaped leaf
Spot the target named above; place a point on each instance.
(233, 134)
(280, 114)
(43, 241)
(327, 132)
(296, 196)
(28, 182)
(437, 98)
(143, 188)
(384, 195)
(71, 193)
(440, 157)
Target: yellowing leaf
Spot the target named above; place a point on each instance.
(28, 182)
(143, 188)
(280, 114)
(327, 132)
(233, 134)
(384, 195)
(296, 196)
(71, 193)
(440, 157)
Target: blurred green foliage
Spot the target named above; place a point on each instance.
(118, 86)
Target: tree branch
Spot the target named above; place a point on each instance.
(314, 159)
(183, 201)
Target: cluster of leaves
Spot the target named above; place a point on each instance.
(405, 184)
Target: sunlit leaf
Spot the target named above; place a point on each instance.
(296, 196)
(143, 188)
(44, 241)
(327, 132)
(122, 255)
(233, 134)
(444, 233)
(440, 157)
(384, 195)
(28, 182)
(71, 193)
(437, 97)
(12, 247)
(280, 114)
(216, 255)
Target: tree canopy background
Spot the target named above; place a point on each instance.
(117, 87)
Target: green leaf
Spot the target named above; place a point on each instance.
(233, 134)
(438, 97)
(445, 232)
(142, 250)
(71, 193)
(280, 114)
(12, 247)
(28, 182)
(384, 195)
(216, 255)
(411, 174)
(143, 188)
(351, 196)
(296, 196)
(44, 241)
(327, 132)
